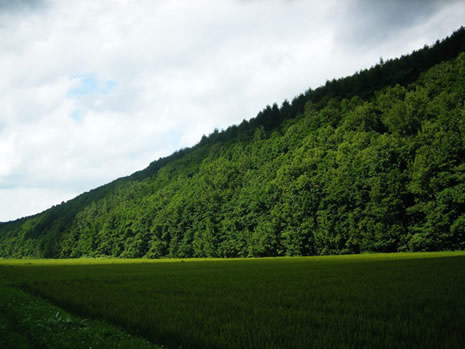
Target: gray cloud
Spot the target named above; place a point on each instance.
(368, 22)
(21, 6)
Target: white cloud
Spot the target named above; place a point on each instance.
(22, 201)
(94, 90)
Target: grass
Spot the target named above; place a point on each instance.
(30, 322)
(383, 300)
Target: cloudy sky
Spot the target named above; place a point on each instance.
(94, 90)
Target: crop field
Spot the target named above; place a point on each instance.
(399, 300)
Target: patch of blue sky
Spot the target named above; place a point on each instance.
(76, 115)
(89, 84)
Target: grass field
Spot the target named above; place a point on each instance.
(377, 301)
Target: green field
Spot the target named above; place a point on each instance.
(379, 301)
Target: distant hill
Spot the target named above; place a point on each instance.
(370, 162)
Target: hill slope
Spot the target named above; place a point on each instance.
(371, 162)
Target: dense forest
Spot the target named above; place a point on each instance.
(371, 162)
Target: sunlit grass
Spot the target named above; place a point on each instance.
(371, 300)
(109, 260)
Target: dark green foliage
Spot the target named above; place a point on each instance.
(372, 162)
(30, 322)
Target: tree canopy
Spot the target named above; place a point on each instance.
(370, 162)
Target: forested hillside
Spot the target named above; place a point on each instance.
(371, 162)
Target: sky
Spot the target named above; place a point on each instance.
(94, 90)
